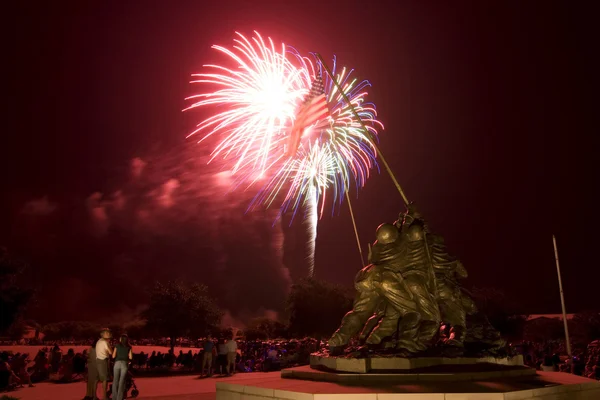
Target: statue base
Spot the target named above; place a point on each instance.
(392, 363)
(436, 373)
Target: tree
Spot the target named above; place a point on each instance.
(135, 329)
(265, 328)
(316, 307)
(16, 330)
(504, 314)
(79, 330)
(585, 326)
(14, 296)
(21, 326)
(543, 329)
(178, 310)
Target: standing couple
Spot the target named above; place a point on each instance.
(98, 365)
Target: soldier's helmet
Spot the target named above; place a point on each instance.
(386, 233)
(413, 212)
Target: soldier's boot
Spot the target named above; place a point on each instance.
(386, 328)
(408, 334)
(336, 350)
(427, 331)
(371, 324)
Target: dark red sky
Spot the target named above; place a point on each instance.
(489, 108)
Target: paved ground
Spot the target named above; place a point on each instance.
(178, 388)
(191, 387)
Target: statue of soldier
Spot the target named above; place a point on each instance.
(416, 269)
(453, 304)
(378, 283)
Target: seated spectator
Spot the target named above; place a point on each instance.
(21, 370)
(66, 367)
(41, 367)
(8, 379)
(179, 359)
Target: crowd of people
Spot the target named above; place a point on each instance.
(223, 356)
(552, 356)
(227, 356)
(100, 361)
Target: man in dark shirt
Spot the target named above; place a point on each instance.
(209, 347)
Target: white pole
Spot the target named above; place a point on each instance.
(362, 259)
(562, 301)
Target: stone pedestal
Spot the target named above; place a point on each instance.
(435, 374)
(379, 364)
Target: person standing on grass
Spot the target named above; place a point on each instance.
(209, 348)
(122, 356)
(222, 357)
(103, 353)
(231, 353)
(92, 374)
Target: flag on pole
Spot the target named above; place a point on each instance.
(313, 109)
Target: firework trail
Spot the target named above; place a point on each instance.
(311, 219)
(256, 103)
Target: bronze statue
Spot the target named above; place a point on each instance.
(381, 284)
(407, 291)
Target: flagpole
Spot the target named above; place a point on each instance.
(362, 260)
(562, 302)
(372, 139)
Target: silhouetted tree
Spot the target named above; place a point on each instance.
(316, 307)
(21, 326)
(504, 314)
(135, 329)
(35, 326)
(80, 330)
(542, 329)
(177, 310)
(14, 297)
(17, 329)
(585, 326)
(265, 328)
(225, 333)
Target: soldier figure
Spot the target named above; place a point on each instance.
(415, 268)
(380, 282)
(453, 304)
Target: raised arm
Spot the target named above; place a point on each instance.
(461, 271)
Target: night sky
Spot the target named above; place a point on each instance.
(490, 109)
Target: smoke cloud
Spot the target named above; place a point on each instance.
(172, 216)
(40, 207)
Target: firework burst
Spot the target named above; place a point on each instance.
(255, 102)
(334, 153)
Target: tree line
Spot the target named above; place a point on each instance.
(313, 308)
(178, 309)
